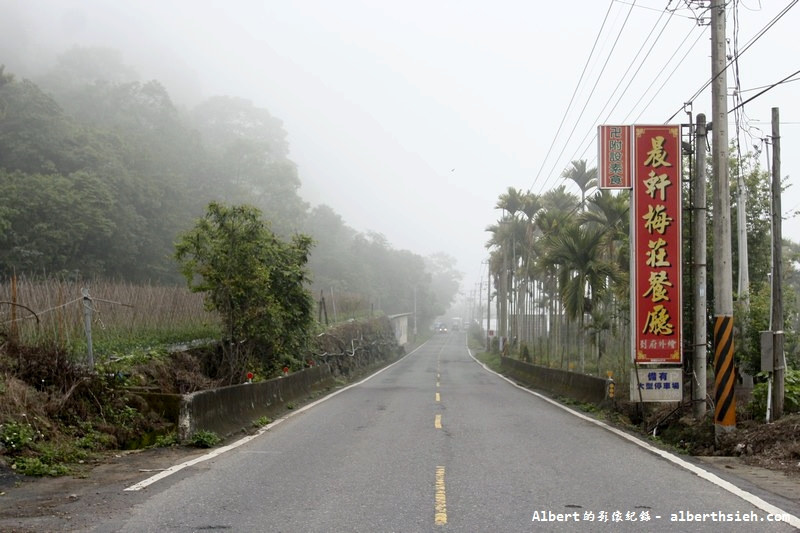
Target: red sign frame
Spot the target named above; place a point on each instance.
(656, 281)
(614, 156)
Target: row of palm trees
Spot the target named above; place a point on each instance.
(560, 266)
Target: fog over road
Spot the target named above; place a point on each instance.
(437, 443)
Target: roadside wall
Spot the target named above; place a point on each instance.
(351, 351)
(556, 381)
(229, 409)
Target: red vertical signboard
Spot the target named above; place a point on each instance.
(614, 155)
(656, 228)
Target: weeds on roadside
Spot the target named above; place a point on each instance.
(204, 439)
(262, 421)
(34, 466)
(165, 441)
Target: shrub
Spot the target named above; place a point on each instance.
(262, 421)
(16, 436)
(205, 439)
(791, 398)
(165, 441)
(33, 466)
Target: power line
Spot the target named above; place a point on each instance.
(750, 43)
(769, 87)
(599, 76)
(655, 79)
(630, 81)
(672, 11)
(572, 99)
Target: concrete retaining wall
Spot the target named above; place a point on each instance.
(229, 409)
(556, 381)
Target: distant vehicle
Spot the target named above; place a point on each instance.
(439, 328)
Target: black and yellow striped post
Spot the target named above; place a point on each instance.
(724, 375)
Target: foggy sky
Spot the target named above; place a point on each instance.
(410, 118)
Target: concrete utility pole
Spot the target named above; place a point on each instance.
(743, 290)
(700, 298)
(724, 372)
(488, 310)
(415, 313)
(778, 360)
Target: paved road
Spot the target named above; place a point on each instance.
(437, 443)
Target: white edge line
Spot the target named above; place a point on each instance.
(705, 474)
(219, 451)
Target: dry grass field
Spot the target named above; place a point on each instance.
(50, 312)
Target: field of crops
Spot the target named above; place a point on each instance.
(124, 316)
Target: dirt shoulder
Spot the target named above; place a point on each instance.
(78, 502)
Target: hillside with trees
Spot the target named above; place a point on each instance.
(102, 171)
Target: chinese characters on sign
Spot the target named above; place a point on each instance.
(614, 157)
(657, 384)
(656, 254)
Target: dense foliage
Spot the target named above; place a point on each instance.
(102, 171)
(255, 281)
(560, 265)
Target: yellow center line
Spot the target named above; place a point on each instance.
(437, 422)
(438, 397)
(440, 516)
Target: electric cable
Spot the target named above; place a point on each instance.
(768, 88)
(599, 76)
(750, 43)
(572, 98)
(630, 81)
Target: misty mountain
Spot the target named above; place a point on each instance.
(102, 170)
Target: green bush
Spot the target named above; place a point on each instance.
(16, 436)
(165, 441)
(34, 466)
(262, 421)
(205, 439)
(95, 441)
(791, 397)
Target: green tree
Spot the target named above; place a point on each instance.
(252, 159)
(445, 279)
(584, 178)
(583, 275)
(255, 281)
(53, 223)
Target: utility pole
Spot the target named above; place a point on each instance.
(700, 298)
(724, 372)
(778, 360)
(87, 324)
(488, 309)
(743, 290)
(415, 313)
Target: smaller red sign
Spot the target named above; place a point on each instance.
(614, 155)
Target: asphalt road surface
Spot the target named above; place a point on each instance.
(436, 442)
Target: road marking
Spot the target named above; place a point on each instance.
(438, 397)
(440, 516)
(704, 474)
(244, 440)
(437, 422)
